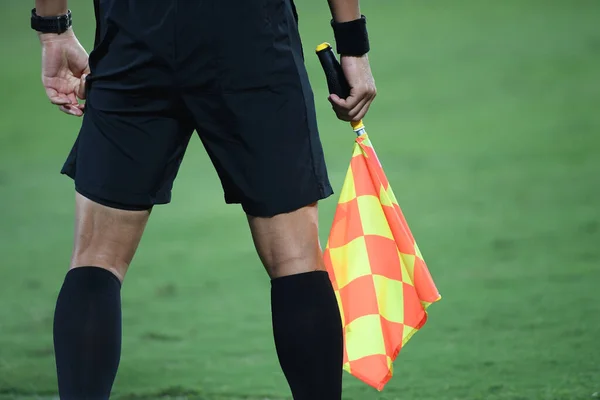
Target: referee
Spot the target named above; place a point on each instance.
(233, 71)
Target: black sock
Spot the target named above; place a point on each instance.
(87, 334)
(308, 335)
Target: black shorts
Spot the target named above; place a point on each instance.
(231, 70)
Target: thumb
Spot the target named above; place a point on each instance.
(336, 100)
(81, 88)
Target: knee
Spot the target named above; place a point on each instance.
(106, 237)
(91, 259)
(288, 244)
(293, 260)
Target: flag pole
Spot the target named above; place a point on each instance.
(359, 128)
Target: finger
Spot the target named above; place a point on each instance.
(59, 101)
(348, 103)
(361, 114)
(351, 115)
(353, 100)
(76, 111)
(341, 116)
(71, 110)
(340, 111)
(337, 103)
(334, 99)
(57, 98)
(65, 109)
(72, 98)
(81, 89)
(79, 106)
(354, 112)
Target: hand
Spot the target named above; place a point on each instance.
(64, 68)
(362, 89)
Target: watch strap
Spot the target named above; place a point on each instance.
(52, 24)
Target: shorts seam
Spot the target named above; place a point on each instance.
(313, 166)
(115, 198)
(110, 190)
(287, 207)
(111, 203)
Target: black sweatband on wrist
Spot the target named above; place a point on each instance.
(351, 38)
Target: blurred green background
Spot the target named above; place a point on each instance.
(487, 123)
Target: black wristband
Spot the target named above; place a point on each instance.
(351, 38)
(56, 24)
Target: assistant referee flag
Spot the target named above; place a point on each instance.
(380, 279)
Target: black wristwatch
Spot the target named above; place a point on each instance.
(55, 24)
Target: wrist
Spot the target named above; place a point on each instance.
(341, 17)
(349, 57)
(55, 37)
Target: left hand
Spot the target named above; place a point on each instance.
(362, 89)
(64, 69)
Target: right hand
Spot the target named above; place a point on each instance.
(64, 69)
(362, 89)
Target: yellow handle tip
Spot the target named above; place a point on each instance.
(323, 46)
(357, 124)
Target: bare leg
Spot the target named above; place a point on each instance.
(87, 320)
(288, 244)
(106, 237)
(306, 322)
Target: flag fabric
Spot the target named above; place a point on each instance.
(381, 282)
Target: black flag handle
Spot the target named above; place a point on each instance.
(336, 80)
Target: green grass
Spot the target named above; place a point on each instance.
(488, 128)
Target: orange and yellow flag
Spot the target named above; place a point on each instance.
(381, 282)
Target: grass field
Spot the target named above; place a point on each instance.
(488, 126)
